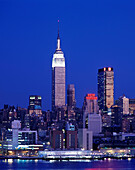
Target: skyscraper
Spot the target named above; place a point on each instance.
(105, 88)
(71, 95)
(35, 105)
(89, 107)
(58, 76)
(123, 101)
(90, 103)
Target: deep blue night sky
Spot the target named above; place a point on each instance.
(94, 34)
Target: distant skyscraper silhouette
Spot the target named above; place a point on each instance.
(58, 76)
(105, 88)
(71, 95)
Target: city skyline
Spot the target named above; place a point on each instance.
(26, 49)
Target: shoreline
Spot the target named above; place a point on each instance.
(65, 159)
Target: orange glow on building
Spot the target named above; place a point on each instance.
(109, 68)
(91, 97)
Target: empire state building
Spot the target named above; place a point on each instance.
(58, 77)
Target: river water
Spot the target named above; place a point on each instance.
(111, 164)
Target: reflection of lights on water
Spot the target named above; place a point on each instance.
(22, 160)
(129, 159)
(5, 160)
(10, 161)
(36, 160)
(18, 160)
(51, 161)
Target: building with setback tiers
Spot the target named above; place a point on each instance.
(58, 77)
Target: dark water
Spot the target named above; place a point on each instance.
(87, 165)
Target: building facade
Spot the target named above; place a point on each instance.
(71, 95)
(132, 106)
(105, 88)
(22, 137)
(90, 106)
(94, 123)
(90, 103)
(85, 139)
(116, 118)
(35, 105)
(123, 102)
(58, 77)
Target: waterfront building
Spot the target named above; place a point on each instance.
(65, 138)
(128, 136)
(85, 139)
(35, 105)
(16, 125)
(22, 137)
(57, 139)
(105, 88)
(95, 123)
(58, 77)
(71, 139)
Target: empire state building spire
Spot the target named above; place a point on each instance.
(58, 40)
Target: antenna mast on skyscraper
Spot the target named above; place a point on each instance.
(58, 29)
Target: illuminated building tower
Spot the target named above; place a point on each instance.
(105, 88)
(71, 101)
(90, 106)
(58, 77)
(35, 105)
(71, 95)
(90, 103)
(123, 101)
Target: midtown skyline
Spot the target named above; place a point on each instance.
(26, 49)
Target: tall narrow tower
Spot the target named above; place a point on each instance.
(58, 76)
(71, 95)
(105, 88)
